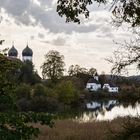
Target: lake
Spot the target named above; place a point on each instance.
(108, 110)
(104, 110)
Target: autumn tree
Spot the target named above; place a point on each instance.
(53, 67)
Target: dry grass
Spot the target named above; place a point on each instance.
(71, 130)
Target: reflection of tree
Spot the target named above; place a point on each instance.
(126, 104)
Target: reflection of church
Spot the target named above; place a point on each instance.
(101, 105)
(27, 53)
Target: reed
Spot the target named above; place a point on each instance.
(72, 130)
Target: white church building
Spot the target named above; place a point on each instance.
(93, 84)
(27, 53)
(111, 87)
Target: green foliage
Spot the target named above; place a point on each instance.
(15, 126)
(7, 86)
(53, 67)
(23, 91)
(81, 73)
(28, 74)
(127, 11)
(67, 94)
(73, 8)
(74, 70)
(39, 90)
(78, 82)
(123, 10)
(92, 71)
(44, 104)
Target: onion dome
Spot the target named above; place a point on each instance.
(27, 52)
(13, 52)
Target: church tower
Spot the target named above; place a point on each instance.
(27, 54)
(96, 76)
(13, 52)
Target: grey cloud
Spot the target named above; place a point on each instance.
(32, 37)
(21, 10)
(16, 7)
(40, 35)
(46, 42)
(59, 41)
(106, 29)
(24, 19)
(46, 2)
(107, 35)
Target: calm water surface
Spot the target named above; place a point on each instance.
(108, 110)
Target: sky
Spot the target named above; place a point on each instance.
(37, 23)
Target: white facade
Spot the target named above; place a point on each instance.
(93, 83)
(25, 58)
(13, 56)
(110, 88)
(96, 77)
(93, 86)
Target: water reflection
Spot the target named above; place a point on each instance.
(108, 110)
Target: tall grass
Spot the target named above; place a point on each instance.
(72, 130)
(130, 130)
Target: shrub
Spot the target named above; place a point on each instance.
(23, 91)
(39, 90)
(66, 92)
(130, 130)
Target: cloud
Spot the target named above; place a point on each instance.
(37, 20)
(59, 41)
(16, 7)
(43, 12)
(40, 35)
(32, 37)
(46, 42)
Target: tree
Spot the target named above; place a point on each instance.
(74, 70)
(92, 71)
(53, 67)
(67, 93)
(120, 60)
(28, 74)
(39, 90)
(14, 124)
(123, 10)
(23, 91)
(127, 11)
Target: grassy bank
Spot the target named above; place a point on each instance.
(72, 130)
